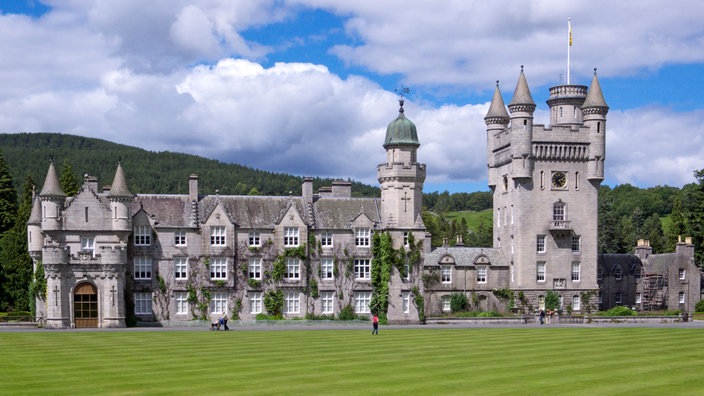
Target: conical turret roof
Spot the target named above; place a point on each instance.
(522, 96)
(52, 186)
(595, 98)
(497, 111)
(401, 131)
(119, 184)
(35, 217)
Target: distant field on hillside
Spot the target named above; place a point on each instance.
(530, 360)
(472, 218)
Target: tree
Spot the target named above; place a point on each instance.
(68, 180)
(8, 197)
(14, 258)
(607, 224)
(652, 230)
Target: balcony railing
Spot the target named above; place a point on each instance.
(560, 225)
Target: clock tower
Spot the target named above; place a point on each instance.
(544, 182)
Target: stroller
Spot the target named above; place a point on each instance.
(222, 322)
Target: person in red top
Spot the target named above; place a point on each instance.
(375, 325)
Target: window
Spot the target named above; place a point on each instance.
(361, 237)
(498, 217)
(254, 268)
(255, 303)
(446, 274)
(292, 304)
(540, 244)
(218, 303)
(180, 238)
(575, 271)
(181, 268)
(326, 239)
(541, 302)
(558, 211)
(293, 269)
(143, 303)
(601, 298)
(599, 274)
(446, 304)
(87, 245)
(682, 274)
(481, 274)
(291, 236)
(142, 235)
(576, 243)
(639, 298)
(254, 239)
(540, 271)
(618, 273)
(218, 268)
(326, 268)
(576, 303)
(326, 302)
(361, 302)
(217, 236)
(617, 299)
(681, 297)
(181, 299)
(362, 269)
(405, 238)
(142, 268)
(406, 302)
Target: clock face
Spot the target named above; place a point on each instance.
(559, 179)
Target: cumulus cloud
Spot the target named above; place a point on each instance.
(181, 76)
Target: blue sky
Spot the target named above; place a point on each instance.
(306, 87)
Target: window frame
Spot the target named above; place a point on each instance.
(446, 274)
(326, 239)
(293, 269)
(327, 303)
(143, 303)
(540, 244)
(180, 268)
(292, 303)
(142, 269)
(362, 269)
(362, 300)
(180, 238)
(576, 274)
(218, 268)
(255, 303)
(218, 236)
(541, 271)
(327, 268)
(292, 237)
(482, 273)
(362, 237)
(254, 268)
(142, 235)
(218, 303)
(254, 239)
(576, 243)
(181, 302)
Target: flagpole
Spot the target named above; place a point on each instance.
(569, 44)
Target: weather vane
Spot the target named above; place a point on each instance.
(402, 92)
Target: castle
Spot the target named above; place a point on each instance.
(109, 254)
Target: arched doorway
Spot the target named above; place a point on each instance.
(85, 305)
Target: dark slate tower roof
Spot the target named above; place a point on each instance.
(52, 186)
(595, 98)
(497, 111)
(401, 131)
(119, 184)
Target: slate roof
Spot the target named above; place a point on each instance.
(464, 255)
(337, 213)
(610, 261)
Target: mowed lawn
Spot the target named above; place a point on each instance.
(512, 361)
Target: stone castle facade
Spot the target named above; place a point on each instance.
(108, 254)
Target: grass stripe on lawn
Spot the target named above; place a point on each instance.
(398, 361)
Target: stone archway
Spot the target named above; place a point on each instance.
(85, 305)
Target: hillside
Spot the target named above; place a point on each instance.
(147, 171)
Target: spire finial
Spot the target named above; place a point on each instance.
(497, 83)
(521, 68)
(401, 92)
(595, 71)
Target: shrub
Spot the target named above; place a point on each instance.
(700, 306)
(618, 311)
(347, 313)
(458, 302)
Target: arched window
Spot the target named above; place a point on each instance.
(559, 211)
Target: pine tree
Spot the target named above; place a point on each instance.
(68, 180)
(8, 197)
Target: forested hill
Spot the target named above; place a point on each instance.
(147, 171)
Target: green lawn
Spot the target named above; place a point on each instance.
(589, 361)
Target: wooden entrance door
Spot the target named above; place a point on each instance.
(85, 305)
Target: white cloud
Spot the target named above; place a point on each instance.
(179, 75)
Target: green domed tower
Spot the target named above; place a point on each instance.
(401, 177)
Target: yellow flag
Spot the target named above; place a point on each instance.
(570, 29)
